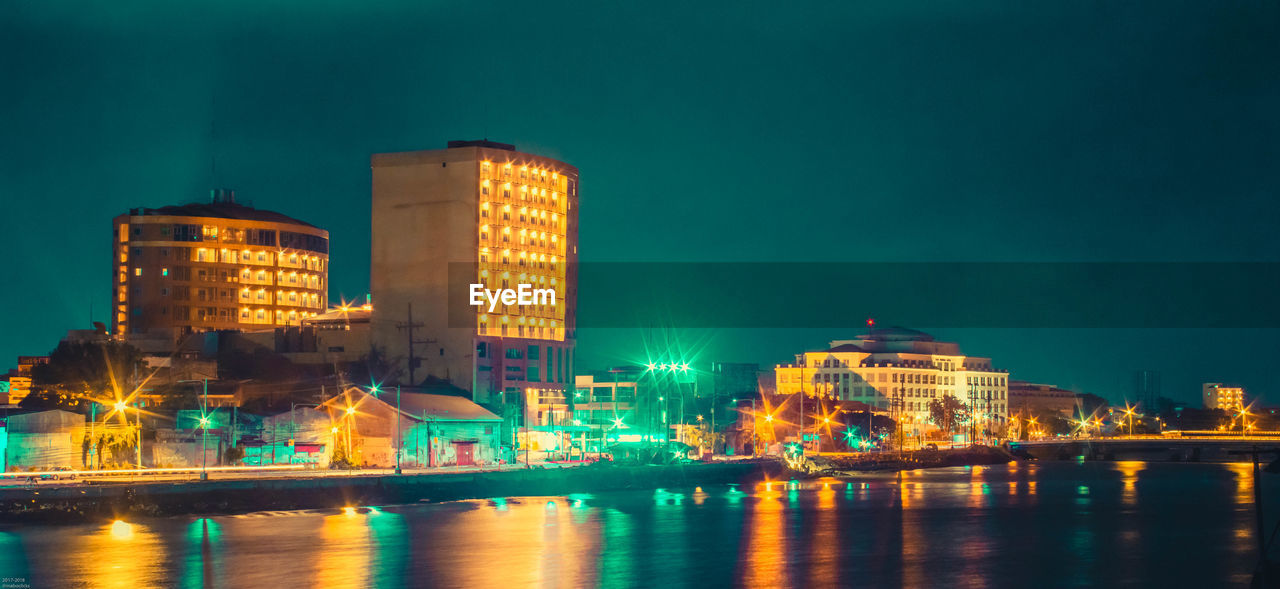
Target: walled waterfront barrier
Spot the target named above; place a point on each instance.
(115, 500)
(1149, 448)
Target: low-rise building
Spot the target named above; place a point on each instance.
(42, 439)
(1225, 397)
(899, 371)
(1032, 398)
(16, 385)
(434, 430)
(604, 401)
(302, 435)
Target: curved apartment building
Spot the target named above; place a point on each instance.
(217, 265)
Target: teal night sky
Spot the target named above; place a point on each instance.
(742, 131)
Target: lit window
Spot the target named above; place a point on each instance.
(137, 271)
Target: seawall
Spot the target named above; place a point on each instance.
(115, 500)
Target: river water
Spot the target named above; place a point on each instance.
(1054, 524)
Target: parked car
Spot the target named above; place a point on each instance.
(52, 474)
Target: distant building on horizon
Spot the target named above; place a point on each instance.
(1146, 390)
(899, 371)
(1225, 397)
(1033, 398)
(219, 265)
(500, 218)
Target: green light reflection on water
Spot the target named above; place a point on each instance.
(203, 558)
(390, 535)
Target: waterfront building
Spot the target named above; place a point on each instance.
(605, 402)
(1225, 397)
(44, 439)
(434, 430)
(477, 212)
(219, 265)
(898, 372)
(1032, 399)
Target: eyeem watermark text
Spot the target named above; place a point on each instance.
(521, 295)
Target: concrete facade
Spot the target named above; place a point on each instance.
(477, 212)
(435, 430)
(43, 439)
(899, 371)
(1032, 398)
(213, 266)
(1225, 397)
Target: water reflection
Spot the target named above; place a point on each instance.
(118, 554)
(762, 564)
(203, 554)
(1129, 470)
(824, 547)
(1244, 539)
(344, 553)
(983, 527)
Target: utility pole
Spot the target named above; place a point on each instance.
(804, 361)
(399, 441)
(204, 435)
(408, 326)
(138, 406)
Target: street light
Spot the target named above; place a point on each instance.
(351, 414)
(399, 436)
(121, 406)
(204, 431)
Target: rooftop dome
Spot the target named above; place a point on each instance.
(897, 334)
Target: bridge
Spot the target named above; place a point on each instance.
(1184, 447)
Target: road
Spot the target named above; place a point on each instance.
(244, 473)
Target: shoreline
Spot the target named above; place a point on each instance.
(107, 501)
(855, 465)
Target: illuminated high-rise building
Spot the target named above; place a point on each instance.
(503, 217)
(214, 266)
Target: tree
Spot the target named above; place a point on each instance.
(947, 413)
(79, 369)
(1091, 404)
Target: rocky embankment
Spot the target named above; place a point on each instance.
(893, 461)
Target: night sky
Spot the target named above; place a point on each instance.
(869, 131)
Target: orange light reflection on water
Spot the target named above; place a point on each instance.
(763, 564)
(119, 554)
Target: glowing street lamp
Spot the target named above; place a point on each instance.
(121, 406)
(204, 444)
